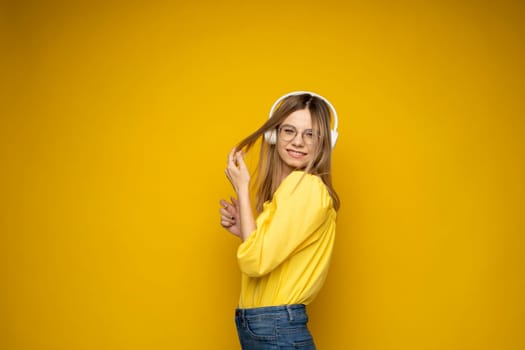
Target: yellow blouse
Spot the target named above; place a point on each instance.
(285, 260)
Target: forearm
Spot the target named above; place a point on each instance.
(246, 215)
(239, 176)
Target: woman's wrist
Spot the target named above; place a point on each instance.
(246, 215)
(243, 191)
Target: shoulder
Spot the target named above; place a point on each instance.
(300, 178)
(304, 186)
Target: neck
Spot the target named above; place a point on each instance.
(285, 172)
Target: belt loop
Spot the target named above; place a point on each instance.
(290, 312)
(243, 317)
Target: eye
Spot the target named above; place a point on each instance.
(309, 134)
(288, 130)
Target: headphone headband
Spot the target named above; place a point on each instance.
(295, 93)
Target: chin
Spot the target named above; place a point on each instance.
(297, 165)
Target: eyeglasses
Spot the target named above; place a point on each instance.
(288, 132)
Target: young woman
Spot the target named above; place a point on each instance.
(285, 251)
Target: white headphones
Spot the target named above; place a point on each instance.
(271, 135)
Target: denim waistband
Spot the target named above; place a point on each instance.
(289, 310)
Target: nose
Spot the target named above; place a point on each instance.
(298, 140)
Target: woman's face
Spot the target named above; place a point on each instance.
(296, 140)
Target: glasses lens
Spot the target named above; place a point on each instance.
(308, 137)
(287, 133)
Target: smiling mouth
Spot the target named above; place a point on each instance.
(295, 154)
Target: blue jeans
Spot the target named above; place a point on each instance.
(274, 327)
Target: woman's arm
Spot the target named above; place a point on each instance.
(239, 176)
(301, 210)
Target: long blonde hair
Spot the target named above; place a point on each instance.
(271, 167)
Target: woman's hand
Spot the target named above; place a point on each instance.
(237, 172)
(237, 216)
(230, 219)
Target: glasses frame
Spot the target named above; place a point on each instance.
(307, 141)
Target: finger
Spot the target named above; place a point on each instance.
(229, 219)
(227, 172)
(226, 224)
(231, 170)
(227, 212)
(227, 208)
(231, 160)
(233, 200)
(241, 162)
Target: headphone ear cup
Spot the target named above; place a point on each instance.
(334, 136)
(271, 137)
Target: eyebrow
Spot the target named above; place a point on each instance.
(289, 125)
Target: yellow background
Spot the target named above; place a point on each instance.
(116, 119)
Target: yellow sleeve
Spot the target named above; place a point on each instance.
(298, 208)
